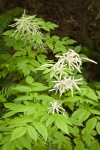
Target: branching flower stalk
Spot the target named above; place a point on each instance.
(26, 26)
(28, 29)
(63, 81)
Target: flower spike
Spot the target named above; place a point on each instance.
(55, 107)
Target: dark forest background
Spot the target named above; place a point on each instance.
(77, 19)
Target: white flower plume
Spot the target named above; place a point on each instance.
(66, 84)
(72, 59)
(90, 60)
(59, 69)
(26, 26)
(69, 60)
(55, 108)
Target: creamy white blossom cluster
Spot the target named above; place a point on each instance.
(67, 83)
(72, 59)
(56, 108)
(26, 26)
(64, 82)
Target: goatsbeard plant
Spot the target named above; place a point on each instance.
(47, 104)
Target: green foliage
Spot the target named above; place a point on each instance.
(7, 17)
(27, 117)
(95, 85)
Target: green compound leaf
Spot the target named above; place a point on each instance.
(61, 124)
(45, 97)
(24, 98)
(95, 145)
(90, 125)
(50, 45)
(94, 111)
(81, 114)
(25, 142)
(77, 49)
(23, 88)
(79, 145)
(98, 127)
(11, 113)
(51, 25)
(18, 144)
(32, 132)
(0, 136)
(39, 87)
(41, 58)
(29, 80)
(63, 118)
(70, 41)
(41, 129)
(89, 93)
(50, 120)
(9, 145)
(18, 132)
